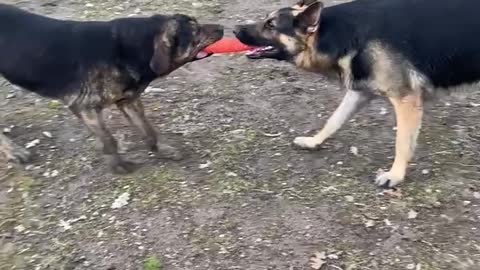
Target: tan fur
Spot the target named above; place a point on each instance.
(311, 60)
(345, 65)
(289, 42)
(409, 111)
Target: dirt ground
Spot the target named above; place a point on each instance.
(243, 197)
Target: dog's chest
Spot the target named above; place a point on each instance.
(113, 83)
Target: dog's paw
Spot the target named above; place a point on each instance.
(165, 151)
(388, 179)
(306, 142)
(19, 155)
(120, 166)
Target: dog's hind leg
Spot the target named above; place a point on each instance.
(94, 121)
(352, 102)
(13, 151)
(409, 111)
(135, 113)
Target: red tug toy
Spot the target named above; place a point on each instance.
(227, 45)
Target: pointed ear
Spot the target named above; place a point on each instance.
(309, 19)
(163, 44)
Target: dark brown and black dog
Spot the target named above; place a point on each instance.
(92, 65)
(404, 50)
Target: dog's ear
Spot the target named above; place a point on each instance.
(309, 19)
(163, 49)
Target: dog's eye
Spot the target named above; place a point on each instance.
(270, 24)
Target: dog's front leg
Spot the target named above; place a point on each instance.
(13, 151)
(409, 112)
(94, 121)
(352, 102)
(135, 113)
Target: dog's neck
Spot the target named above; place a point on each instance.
(311, 59)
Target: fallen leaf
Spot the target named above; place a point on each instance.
(270, 135)
(205, 165)
(65, 225)
(318, 260)
(370, 223)
(121, 201)
(388, 222)
(47, 134)
(20, 228)
(231, 174)
(396, 193)
(32, 144)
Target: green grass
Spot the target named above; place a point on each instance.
(152, 263)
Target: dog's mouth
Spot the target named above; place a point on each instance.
(202, 55)
(263, 52)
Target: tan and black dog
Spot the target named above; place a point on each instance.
(403, 50)
(92, 65)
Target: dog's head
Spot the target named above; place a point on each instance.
(181, 40)
(284, 34)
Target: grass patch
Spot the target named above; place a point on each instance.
(152, 263)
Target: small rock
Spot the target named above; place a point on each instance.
(383, 111)
(466, 203)
(476, 195)
(11, 95)
(54, 173)
(411, 266)
(412, 214)
(7, 130)
(349, 198)
(425, 171)
(354, 150)
(89, 5)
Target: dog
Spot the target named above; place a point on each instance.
(92, 65)
(403, 50)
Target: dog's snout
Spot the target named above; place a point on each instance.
(214, 29)
(237, 29)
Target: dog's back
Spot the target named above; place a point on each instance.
(441, 39)
(45, 55)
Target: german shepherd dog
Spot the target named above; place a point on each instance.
(404, 50)
(92, 65)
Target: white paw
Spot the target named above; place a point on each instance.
(388, 179)
(306, 142)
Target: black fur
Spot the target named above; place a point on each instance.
(92, 65)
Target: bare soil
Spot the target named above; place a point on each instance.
(243, 197)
